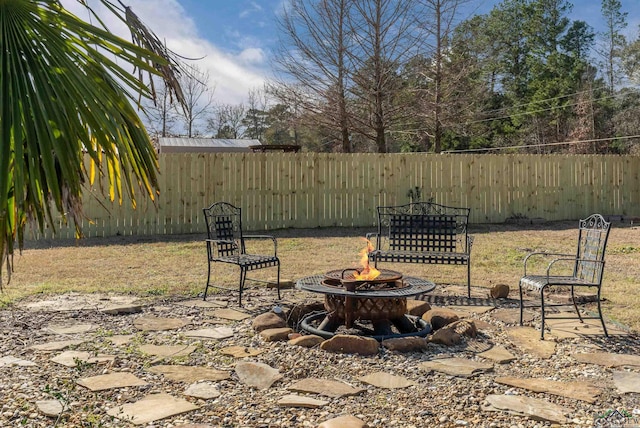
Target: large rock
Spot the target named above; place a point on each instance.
(439, 317)
(268, 320)
(500, 291)
(276, 334)
(445, 336)
(405, 344)
(307, 341)
(464, 328)
(417, 307)
(350, 344)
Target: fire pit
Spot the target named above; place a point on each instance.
(368, 295)
(375, 306)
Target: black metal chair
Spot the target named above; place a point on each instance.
(226, 244)
(587, 265)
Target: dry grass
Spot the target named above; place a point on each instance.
(167, 266)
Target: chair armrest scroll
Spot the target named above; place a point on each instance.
(543, 254)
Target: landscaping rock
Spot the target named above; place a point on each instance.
(445, 336)
(330, 388)
(307, 341)
(276, 334)
(268, 320)
(499, 291)
(439, 317)
(417, 307)
(350, 344)
(405, 344)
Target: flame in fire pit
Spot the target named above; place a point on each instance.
(367, 272)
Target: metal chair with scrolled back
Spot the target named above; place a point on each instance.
(587, 270)
(226, 244)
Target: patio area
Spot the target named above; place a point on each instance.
(123, 361)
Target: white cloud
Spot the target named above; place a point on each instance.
(232, 74)
(254, 8)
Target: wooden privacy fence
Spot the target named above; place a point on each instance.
(307, 190)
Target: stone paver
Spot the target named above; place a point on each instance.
(152, 408)
(71, 328)
(571, 328)
(241, 351)
(51, 408)
(584, 391)
(190, 374)
(57, 345)
(293, 400)
(626, 381)
(173, 351)
(203, 390)
(229, 314)
(211, 333)
(528, 339)
(257, 375)
(327, 387)
(511, 315)
(609, 359)
(152, 323)
(456, 366)
(71, 358)
(536, 409)
(387, 380)
(111, 381)
(199, 303)
(9, 360)
(499, 354)
(120, 339)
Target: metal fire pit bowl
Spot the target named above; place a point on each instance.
(382, 301)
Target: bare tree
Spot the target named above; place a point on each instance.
(255, 118)
(313, 62)
(198, 99)
(613, 41)
(227, 121)
(161, 115)
(383, 31)
(437, 26)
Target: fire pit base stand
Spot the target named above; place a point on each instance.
(407, 325)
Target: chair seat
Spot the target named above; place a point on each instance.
(537, 282)
(249, 261)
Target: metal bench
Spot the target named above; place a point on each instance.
(586, 267)
(423, 232)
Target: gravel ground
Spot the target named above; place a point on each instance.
(438, 400)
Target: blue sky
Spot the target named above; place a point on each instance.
(235, 37)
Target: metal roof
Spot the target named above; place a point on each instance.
(207, 142)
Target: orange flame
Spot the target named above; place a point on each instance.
(368, 272)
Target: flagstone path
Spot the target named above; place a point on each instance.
(113, 361)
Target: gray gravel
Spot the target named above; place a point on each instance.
(438, 400)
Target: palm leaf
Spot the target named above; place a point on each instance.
(63, 94)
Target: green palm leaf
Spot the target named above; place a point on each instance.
(63, 94)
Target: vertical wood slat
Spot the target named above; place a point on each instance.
(306, 190)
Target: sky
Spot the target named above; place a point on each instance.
(235, 38)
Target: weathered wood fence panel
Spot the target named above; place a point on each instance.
(306, 190)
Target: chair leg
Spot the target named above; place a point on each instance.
(606, 334)
(278, 283)
(243, 276)
(208, 281)
(575, 305)
(468, 279)
(542, 312)
(521, 302)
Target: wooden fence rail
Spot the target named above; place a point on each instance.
(307, 190)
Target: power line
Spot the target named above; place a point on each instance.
(595, 140)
